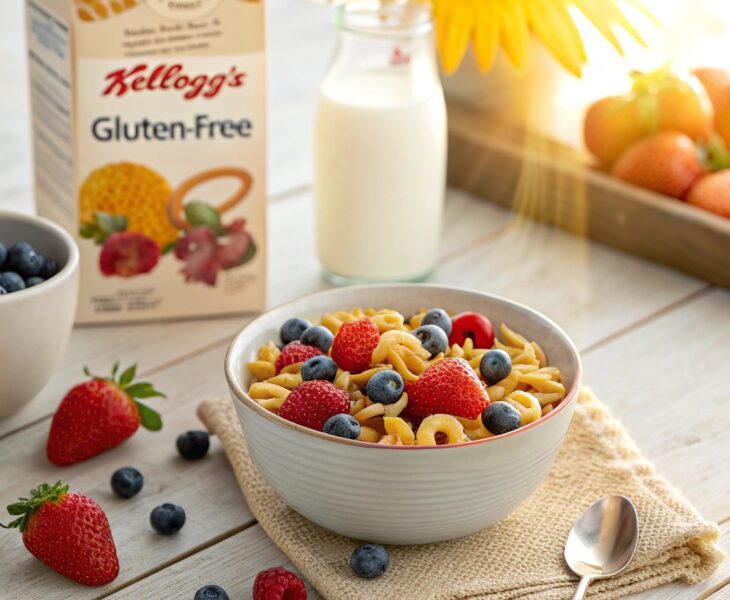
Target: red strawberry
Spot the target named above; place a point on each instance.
(450, 387)
(278, 584)
(474, 326)
(313, 402)
(354, 345)
(128, 253)
(295, 352)
(98, 415)
(68, 532)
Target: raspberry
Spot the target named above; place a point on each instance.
(293, 353)
(313, 402)
(354, 345)
(278, 584)
(128, 253)
(450, 387)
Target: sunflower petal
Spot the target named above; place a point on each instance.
(552, 24)
(485, 38)
(454, 23)
(600, 18)
(514, 34)
(609, 14)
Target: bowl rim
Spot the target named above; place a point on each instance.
(52, 229)
(241, 395)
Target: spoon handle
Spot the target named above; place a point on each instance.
(582, 587)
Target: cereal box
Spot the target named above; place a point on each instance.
(149, 133)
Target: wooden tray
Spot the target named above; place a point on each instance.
(555, 184)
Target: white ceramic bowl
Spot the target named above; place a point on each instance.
(35, 322)
(402, 494)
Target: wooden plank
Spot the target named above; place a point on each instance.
(589, 290)
(151, 345)
(667, 383)
(207, 490)
(232, 564)
(301, 41)
(536, 178)
(295, 270)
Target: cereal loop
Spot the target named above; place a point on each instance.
(397, 426)
(393, 338)
(372, 411)
(527, 405)
(430, 426)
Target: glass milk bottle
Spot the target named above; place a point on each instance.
(380, 146)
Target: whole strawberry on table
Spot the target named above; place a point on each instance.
(99, 414)
(68, 532)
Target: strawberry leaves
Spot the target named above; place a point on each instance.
(149, 418)
(25, 507)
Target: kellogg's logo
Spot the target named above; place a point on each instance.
(143, 78)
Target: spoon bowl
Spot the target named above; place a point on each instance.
(602, 541)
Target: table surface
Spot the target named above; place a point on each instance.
(654, 342)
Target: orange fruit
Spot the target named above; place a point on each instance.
(712, 192)
(717, 84)
(611, 125)
(659, 101)
(666, 163)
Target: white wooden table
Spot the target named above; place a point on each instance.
(655, 345)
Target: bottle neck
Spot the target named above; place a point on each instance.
(391, 19)
(383, 58)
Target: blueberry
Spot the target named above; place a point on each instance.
(193, 445)
(211, 592)
(319, 367)
(24, 260)
(127, 482)
(319, 337)
(495, 366)
(12, 282)
(292, 329)
(31, 281)
(343, 425)
(385, 387)
(167, 518)
(49, 268)
(500, 417)
(438, 317)
(432, 338)
(2, 291)
(3, 254)
(369, 560)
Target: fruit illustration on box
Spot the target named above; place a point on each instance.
(68, 532)
(669, 134)
(136, 217)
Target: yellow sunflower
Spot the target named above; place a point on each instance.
(489, 24)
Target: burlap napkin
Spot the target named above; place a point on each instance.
(521, 557)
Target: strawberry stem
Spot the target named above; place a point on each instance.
(714, 154)
(25, 507)
(149, 418)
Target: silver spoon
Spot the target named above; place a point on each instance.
(603, 541)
